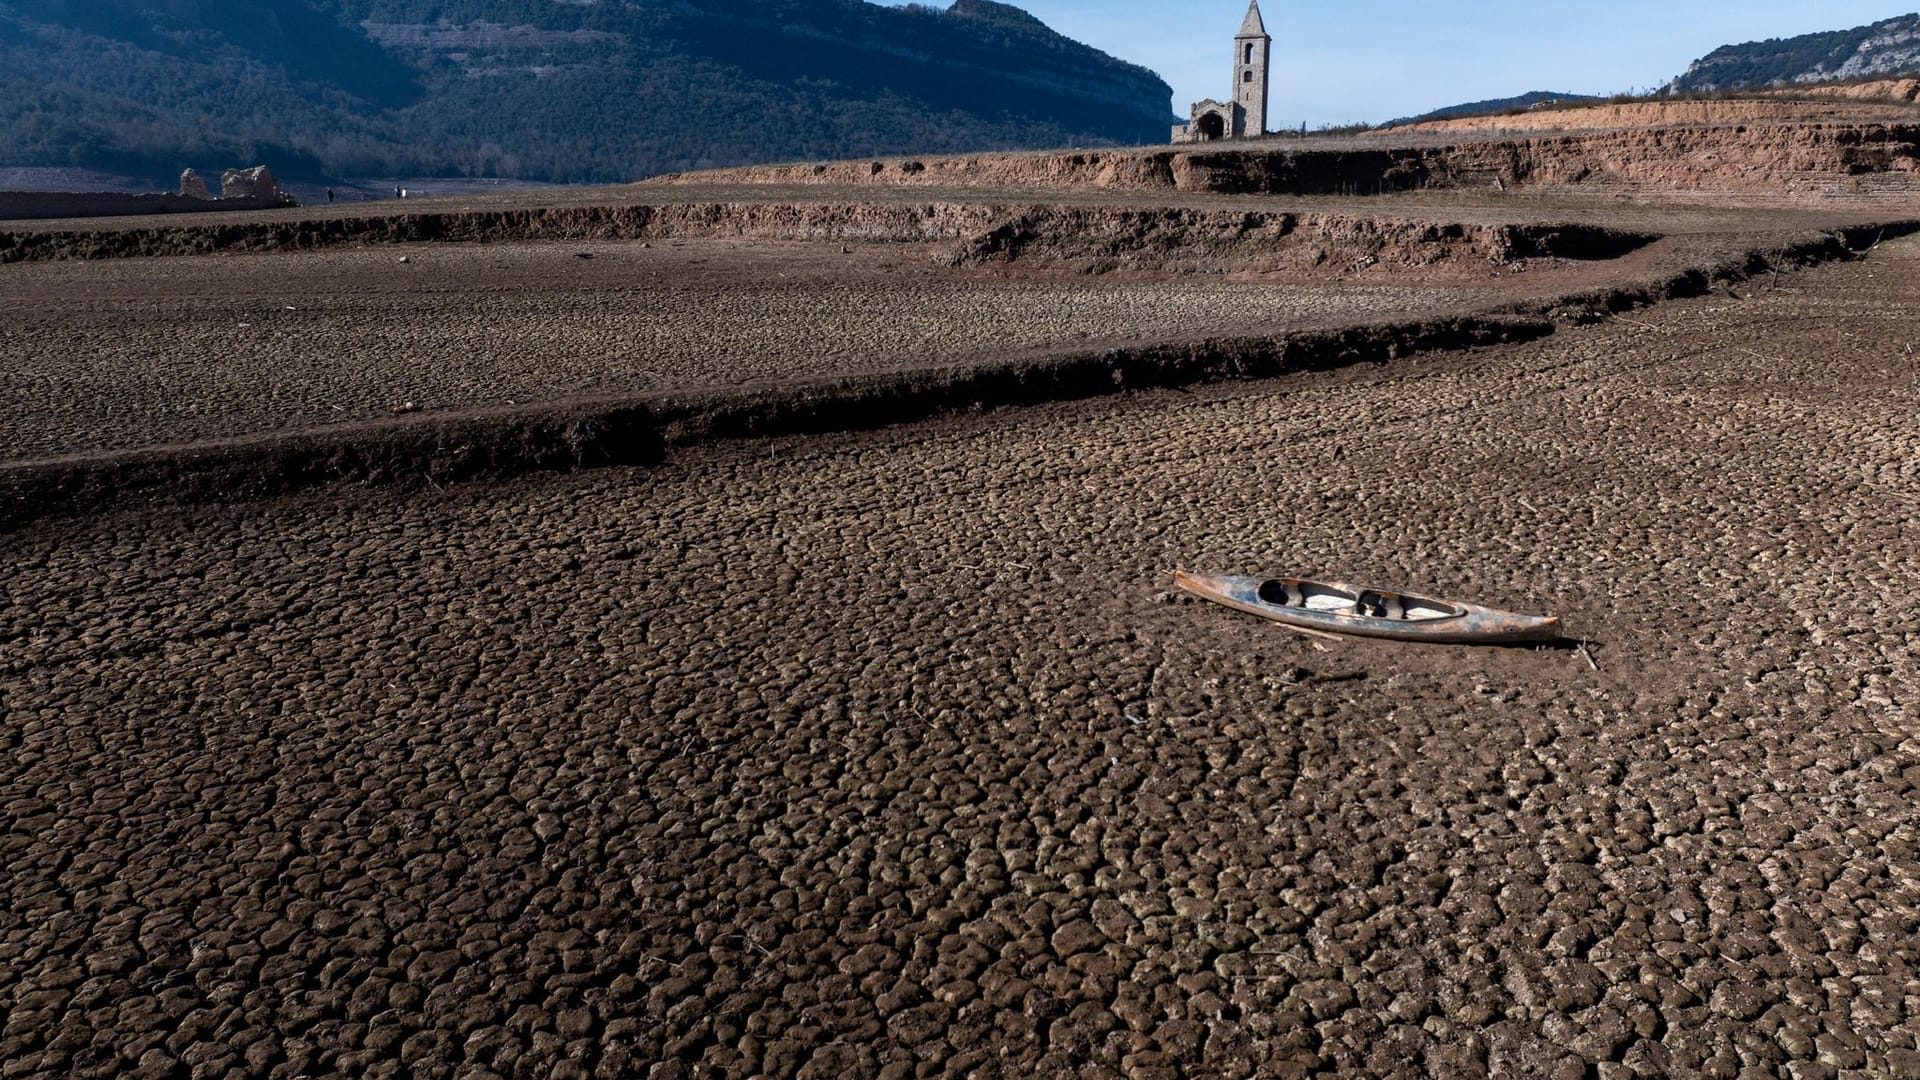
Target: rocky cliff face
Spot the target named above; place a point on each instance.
(1886, 48)
(568, 90)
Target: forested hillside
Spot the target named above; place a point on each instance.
(1531, 99)
(581, 90)
(1885, 48)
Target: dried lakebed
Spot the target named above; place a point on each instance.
(125, 354)
(899, 761)
(102, 358)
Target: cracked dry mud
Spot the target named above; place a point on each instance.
(891, 754)
(110, 355)
(156, 351)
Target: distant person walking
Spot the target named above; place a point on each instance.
(329, 196)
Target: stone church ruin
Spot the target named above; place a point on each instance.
(1245, 116)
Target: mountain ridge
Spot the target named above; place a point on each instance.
(1884, 48)
(577, 91)
(1530, 99)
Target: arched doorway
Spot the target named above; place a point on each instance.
(1212, 126)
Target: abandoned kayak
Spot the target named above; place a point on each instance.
(1332, 608)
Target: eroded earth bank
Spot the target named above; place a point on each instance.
(433, 346)
(890, 754)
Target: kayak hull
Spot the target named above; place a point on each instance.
(1331, 607)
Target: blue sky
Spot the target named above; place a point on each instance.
(1374, 61)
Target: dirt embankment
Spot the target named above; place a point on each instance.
(1760, 161)
(25, 205)
(894, 756)
(1098, 240)
(767, 220)
(499, 443)
(1089, 239)
(1824, 163)
(1781, 109)
(1883, 90)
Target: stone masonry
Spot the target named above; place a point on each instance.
(1245, 115)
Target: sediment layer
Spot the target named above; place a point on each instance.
(498, 443)
(1833, 161)
(1092, 238)
(898, 756)
(23, 205)
(1859, 104)
(1753, 159)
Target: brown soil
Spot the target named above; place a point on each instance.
(1857, 105)
(180, 378)
(46, 204)
(1754, 163)
(775, 745)
(498, 443)
(1213, 236)
(169, 351)
(892, 755)
(1896, 90)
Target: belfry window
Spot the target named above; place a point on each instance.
(1249, 58)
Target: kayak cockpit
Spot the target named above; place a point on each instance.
(1368, 603)
(1329, 607)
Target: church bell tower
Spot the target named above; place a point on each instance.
(1252, 67)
